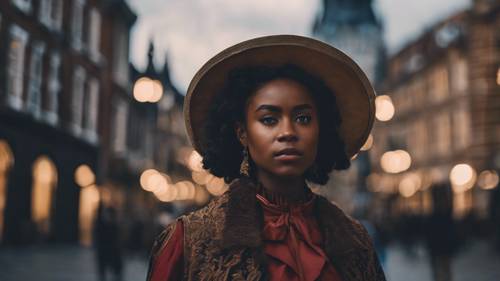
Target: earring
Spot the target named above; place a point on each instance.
(244, 166)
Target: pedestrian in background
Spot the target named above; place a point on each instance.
(107, 243)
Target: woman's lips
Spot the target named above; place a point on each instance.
(288, 154)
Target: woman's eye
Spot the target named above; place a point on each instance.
(268, 121)
(304, 119)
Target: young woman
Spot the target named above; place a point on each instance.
(270, 115)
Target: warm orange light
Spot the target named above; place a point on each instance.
(195, 161)
(84, 176)
(147, 90)
(368, 144)
(167, 193)
(384, 108)
(410, 184)
(488, 179)
(395, 161)
(462, 177)
(216, 186)
(201, 177)
(201, 196)
(145, 178)
(498, 76)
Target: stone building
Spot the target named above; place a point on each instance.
(62, 64)
(445, 89)
(352, 27)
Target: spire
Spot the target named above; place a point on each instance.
(348, 12)
(166, 69)
(150, 69)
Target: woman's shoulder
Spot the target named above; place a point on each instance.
(332, 216)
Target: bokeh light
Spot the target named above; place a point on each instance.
(488, 179)
(147, 90)
(462, 177)
(409, 185)
(384, 108)
(84, 176)
(395, 161)
(216, 186)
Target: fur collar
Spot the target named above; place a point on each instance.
(243, 222)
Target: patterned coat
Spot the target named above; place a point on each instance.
(222, 241)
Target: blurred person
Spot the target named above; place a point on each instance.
(107, 243)
(270, 115)
(441, 233)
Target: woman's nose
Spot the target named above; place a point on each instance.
(287, 132)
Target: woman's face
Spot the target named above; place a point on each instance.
(282, 128)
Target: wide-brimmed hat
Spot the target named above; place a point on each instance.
(354, 93)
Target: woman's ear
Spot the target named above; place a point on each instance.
(241, 134)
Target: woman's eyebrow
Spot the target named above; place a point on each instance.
(268, 107)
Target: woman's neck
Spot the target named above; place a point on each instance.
(290, 188)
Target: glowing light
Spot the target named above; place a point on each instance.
(410, 184)
(143, 89)
(201, 196)
(354, 156)
(145, 178)
(488, 179)
(216, 186)
(395, 161)
(147, 90)
(195, 161)
(167, 193)
(498, 76)
(84, 176)
(462, 177)
(202, 177)
(186, 190)
(156, 182)
(368, 144)
(384, 108)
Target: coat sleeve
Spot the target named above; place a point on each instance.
(167, 259)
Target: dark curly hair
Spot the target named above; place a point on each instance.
(222, 149)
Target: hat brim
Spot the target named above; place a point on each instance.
(354, 93)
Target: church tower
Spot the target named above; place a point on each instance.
(351, 26)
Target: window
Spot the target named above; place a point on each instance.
(461, 127)
(438, 90)
(442, 129)
(459, 76)
(77, 99)
(23, 5)
(94, 34)
(50, 13)
(43, 194)
(91, 110)
(34, 101)
(77, 24)
(53, 88)
(120, 55)
(17, 46)
(120, 113)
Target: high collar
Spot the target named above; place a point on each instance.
(243, 222)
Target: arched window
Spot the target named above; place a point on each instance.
(89, 201)
(6, 162)
(42, 196)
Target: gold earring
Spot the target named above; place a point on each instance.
(245, 166)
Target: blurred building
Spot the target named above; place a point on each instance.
(442, 113)
(352, 27)
(62, 64)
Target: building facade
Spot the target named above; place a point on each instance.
(445, 89)
(61, 64)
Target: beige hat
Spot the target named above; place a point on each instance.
(354, 93)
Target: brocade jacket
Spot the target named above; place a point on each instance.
(223, 241)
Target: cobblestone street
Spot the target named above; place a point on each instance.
(62, 263)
